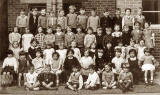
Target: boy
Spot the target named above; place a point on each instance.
(93, 80)
(52, 21)
(99, 38)
(75, 81)
(21, 22)
(125, 79)
(47, 79)
(42, 20)
(31, 80)
(93, 21)
(106, 20)
(117, 20)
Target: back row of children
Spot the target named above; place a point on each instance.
(100, 53)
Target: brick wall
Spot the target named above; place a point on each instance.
(100, 5)
(133, 4)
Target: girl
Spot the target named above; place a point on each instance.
(125, 79)
(56, 66)
(47, 53)
(10, 66)
(107, 38)
(139, 17)
(109, 52)
(82, 19)
(123, 49)
(23, 67)
(69, 63)
(128, 19)
(26, 40)
(140, 49)
(31, 80)
(85, 62)
(62, 51)
(148, 36)
(108, 81)
(126, 35)
(69, 37)
(72, 18)
(62, 20)
(93, 80)
(16, 49)
(136, 33)
(59, 36)
(89, 38)
(49, 37)
(99, 38)
(93, 21)
(14, 36)
(75, 81)
(117, 35)
(38, 62)
(147, 62)
(93, 51)
(33, 48)
(77, 52)
(40, 38)
(134, 66)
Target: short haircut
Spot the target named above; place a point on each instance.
(22, 53)
(10, 52)
(133, 50)
(70, 50)
(128, 9)
(90, 28)
(56, 53)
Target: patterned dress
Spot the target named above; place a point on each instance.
(147, 36)
(40, 38)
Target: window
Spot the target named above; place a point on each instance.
(151, 10)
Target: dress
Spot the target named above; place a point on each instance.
(40, 38)
(26, 41)
(48, 55)
(148, 63)
(56, 66)
(23, 67)
(140, 52)
(62, 53)
(89, 39)
(77, 53)
(147, 36)
(38, 64)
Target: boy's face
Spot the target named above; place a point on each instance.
(132, 54)
(128, 12)
(43, 12)
(31, 70)
(47, 69)
(34, 13)
(55, 57)
(49, 46)
(73, 44)
(70, 54)
(126, 28)
(139, 12)
(108, 31)
(10, 55)
(93, 46)
(69, 29)
(99, 31)
(106, 14)
(120, 44)
(126, 70)
(147, 53)
(91, 71)
(146, 25)
(141, 43)
(109, 45)
(22, 13)
(118, 12)
(71, 10)
(74, 69)
(15, 45)
(100, 54)
(61, 46)
(107, 68)
(38, 54)
(79, 29)
(118, 54)
(132, 43)
(61, 13)
(137, 26)
(15, 29)
(82, 12)
(86, 53)
(89, 31)
(22, 57)
(27, 31)
(52, 14)
(49, 31)
(58, 29)
(40, 30)
(34, 44)
(116, 28)
(93, 13)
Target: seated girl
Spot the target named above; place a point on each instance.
(93, 80)
(47, 79)
(75, 81)
(108, 81)
(31, 80)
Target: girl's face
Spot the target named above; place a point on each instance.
(34, 13)
(118, 54)
(120, 44)
(128, 12)
(73, 44)
(141, 43)
(15, 44)
(126, 70)
(22, 57)
(31, 70)
(27, 30)
(70, 54)
(93, 46)
(91, 71)
(137, 26)
(132, 54)
(126, 28)
(22, 13)
(93, 13)
(55, 57)
(79, 30)
(58, 29)
(99, 32)
(49, 31)
(86, 53)
(107, 68)
(146, 25)
(69, 29)
(15, 29)
(43, 12)
(40, 30)
(139, 12)
(10, 55)
(82, 12)
(147, 53)
(34, 43)
(132, 43)
(109, 45)
(61, 46)
(71, 10)
(118, 12)
(49, 46)
(117, 28)
(106, 14)
(61, 13)
(108, 31)
(38, 54)
(89, 31)
(100, 54)
(74, 69)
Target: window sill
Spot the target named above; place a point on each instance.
(155, 26)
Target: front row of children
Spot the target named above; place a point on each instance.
(81, 74)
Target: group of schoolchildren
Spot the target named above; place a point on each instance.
(80, 51)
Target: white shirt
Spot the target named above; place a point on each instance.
(62, 53)
(48, 54)
(86, 61)
(31, 78)
(10, 62)
(77, 53)
(93, 79)
(140, 52)
(26, 39)
(118, 62)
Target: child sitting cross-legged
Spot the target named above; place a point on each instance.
(31, 80)
(75, 81)
(93, 80)
(47, 79)
(108, 80)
